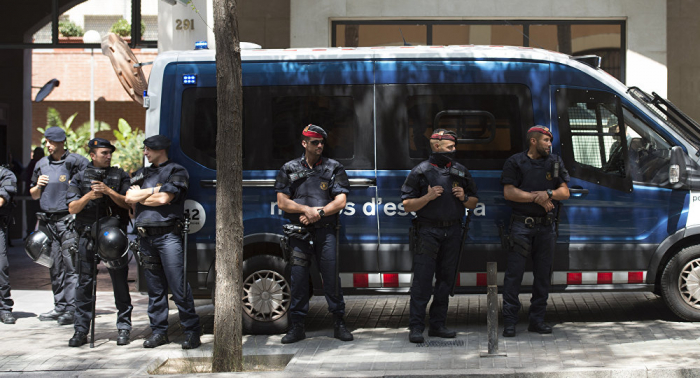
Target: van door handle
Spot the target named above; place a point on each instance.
(578, 192)
(207, 183)
(362, 182)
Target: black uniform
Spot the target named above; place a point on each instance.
(53, 203)
(80, 185)
(160, 229)
(8, 188)
(314, 187)
(439, 233)
(532, 232)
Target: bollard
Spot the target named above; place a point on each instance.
(492, 311)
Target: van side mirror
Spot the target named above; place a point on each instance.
(677, 169)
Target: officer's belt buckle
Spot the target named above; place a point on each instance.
(529, 222)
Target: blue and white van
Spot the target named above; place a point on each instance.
(632, 223)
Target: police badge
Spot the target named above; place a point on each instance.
(549, 176)
(62, 178)
(455, 184)
(324, 185)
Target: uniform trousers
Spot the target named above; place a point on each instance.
(63, 275)
(541, 239)
(322, 249)
(6, 301)
(437, 256)
(83, 293)
(168, 248)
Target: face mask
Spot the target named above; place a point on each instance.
(441, 159)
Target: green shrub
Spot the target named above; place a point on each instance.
(122, 28)
(68, 28)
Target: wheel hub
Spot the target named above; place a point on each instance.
(266, 295)
(689, 283)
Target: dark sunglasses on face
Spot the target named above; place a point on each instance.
(317, 142)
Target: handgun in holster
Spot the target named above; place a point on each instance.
(506, 242)
(413, 238)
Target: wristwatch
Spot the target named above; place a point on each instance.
(550, 193)
(321, 213)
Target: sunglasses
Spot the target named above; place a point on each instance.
(317, 142)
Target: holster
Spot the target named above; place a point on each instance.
(506, 243)
(296, 231)
(286, 249)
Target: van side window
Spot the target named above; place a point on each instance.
(591, 137)
(488, 119)
(198, 125)
(649, 153)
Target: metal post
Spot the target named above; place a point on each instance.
(492, 310)
(92, 93)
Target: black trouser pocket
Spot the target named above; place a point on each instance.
(521, 245)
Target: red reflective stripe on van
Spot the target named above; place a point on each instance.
(481, 279)
(573, 278)
(635, 277)
(391, 279)
(604, 278)
(360, 280)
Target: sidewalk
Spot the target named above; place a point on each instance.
(595, 335)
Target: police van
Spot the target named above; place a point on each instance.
(632, 222)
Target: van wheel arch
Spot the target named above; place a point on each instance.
(680, 283)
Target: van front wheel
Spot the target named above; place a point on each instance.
(680, 283)
(266, 295)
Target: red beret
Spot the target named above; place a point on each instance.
(313, 131)
(541, 130)
(445, 135)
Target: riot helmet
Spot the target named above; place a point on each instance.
(113, 247)
(38, 248)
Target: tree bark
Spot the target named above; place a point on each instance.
(228, 348)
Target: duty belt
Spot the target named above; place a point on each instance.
(56, 216)
(447, 223)
(532, 221)
(156, 231)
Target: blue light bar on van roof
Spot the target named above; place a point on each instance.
(189, 79)
(201, 45)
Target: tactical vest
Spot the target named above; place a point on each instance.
(151, 177)
(53, 195)
(110, 177)
(537, 175)
(311, 187)
(446, 207)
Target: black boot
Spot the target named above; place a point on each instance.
(296, 333)
(340, 332)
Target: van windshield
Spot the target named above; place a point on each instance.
(674, 117)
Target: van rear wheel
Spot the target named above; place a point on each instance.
(680, 283)
(266, 295)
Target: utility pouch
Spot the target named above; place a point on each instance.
(550, 219)
(521, 245)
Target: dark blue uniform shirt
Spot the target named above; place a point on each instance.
(315, 187)
(113, 177)
(532, 175)
(171, 178)
(60, 172)
(447, 207)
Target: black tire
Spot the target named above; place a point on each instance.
(266, 295)
(680, 283)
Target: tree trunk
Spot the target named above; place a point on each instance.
(228, 348)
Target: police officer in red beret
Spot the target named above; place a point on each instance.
(534, 181)
(311, 191)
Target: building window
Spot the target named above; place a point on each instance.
(600, 37)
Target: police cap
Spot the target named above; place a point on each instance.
(157, 142)
(442, 134)
(313, 131)
(100, 143)
(55, 134)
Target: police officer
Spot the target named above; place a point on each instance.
(49, 185)
(159, 193)
(534, 181)
(8, 188)
(438, 190)
(95, 192)
(312, 191)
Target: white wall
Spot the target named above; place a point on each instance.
(646, 23)
(172, 38)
